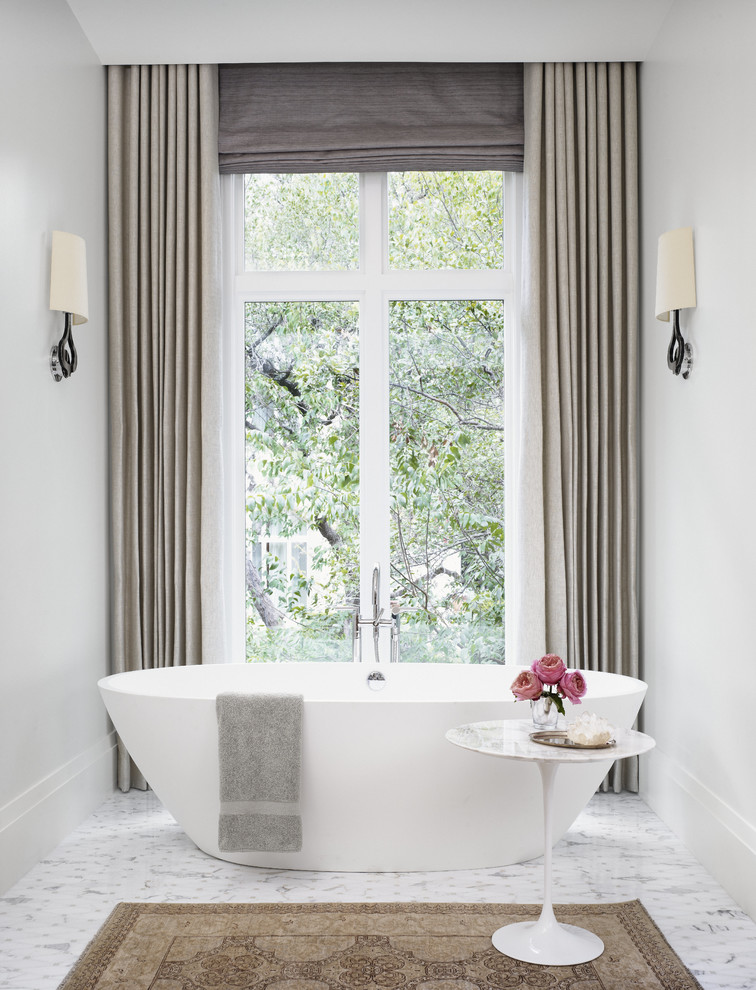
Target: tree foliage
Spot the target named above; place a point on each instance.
(446, 439)
(447, 459)
(445, 220)
(301, 222)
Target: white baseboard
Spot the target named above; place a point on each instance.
(720, 839)
(33, 824)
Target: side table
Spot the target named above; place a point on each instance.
(545, 941)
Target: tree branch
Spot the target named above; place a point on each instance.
(326, 530)
(266, 609)
(476, 423)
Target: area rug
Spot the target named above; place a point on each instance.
(359, 946)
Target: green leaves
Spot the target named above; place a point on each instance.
(447, 465)
(301, 222)
(443, 220)
(446, 413)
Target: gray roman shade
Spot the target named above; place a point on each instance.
(370, 117)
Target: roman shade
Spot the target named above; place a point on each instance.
(370, 117)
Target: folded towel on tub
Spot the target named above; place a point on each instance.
(260, 756)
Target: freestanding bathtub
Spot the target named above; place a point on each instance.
(381, 788)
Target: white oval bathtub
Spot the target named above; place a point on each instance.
(381, 788)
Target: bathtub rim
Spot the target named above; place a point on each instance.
(142, 683)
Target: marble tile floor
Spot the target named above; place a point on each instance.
(132, 850)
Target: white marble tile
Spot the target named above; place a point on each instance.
(132, 850)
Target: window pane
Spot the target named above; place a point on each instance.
(302, 455)
(445, 220)
(447, 478)
(301, 222)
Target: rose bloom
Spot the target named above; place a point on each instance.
(572, 686)
(527, 686)
(549, 668)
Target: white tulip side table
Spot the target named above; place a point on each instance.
(545, 941)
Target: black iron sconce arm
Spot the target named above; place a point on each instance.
(679, 355)
(63, 358)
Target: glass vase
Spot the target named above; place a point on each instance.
(544, 713)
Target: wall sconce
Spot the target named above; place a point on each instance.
(68, 293)
(676, 290)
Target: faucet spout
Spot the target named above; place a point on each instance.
(377, 611)
(376, 591)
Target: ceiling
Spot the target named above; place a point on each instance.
(175, 31)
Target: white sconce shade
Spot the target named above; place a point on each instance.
(676, 290)
(68, 276)
(675, 272)
(68, 294)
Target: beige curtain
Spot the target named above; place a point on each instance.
(165, 369)
(578, 494)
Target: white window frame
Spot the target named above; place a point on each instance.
(373, 285)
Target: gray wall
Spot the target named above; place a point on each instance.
(698, 584)
(55, 748)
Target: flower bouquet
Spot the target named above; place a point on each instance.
(545, 685)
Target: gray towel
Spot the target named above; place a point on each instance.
(260, 755)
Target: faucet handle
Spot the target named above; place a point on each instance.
(398, 609)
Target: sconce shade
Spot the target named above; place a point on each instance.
(675, 272)
(68, 276)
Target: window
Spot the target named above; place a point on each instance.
(375, 314)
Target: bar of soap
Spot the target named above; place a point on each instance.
(589, 729)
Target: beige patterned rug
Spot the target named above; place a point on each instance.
(359, 946)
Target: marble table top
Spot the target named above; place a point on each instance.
(510, 738)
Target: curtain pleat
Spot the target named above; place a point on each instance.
(165, 370)
(578, 477)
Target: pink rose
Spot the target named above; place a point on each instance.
(527, 686)
(549, 668)
(572, 686)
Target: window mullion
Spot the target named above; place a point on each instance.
(374, 403)
(450, 284)
(308, 285)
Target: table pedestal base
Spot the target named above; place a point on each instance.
(547, 943)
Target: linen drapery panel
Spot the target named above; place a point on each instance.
(577, 506)
(165, 370)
